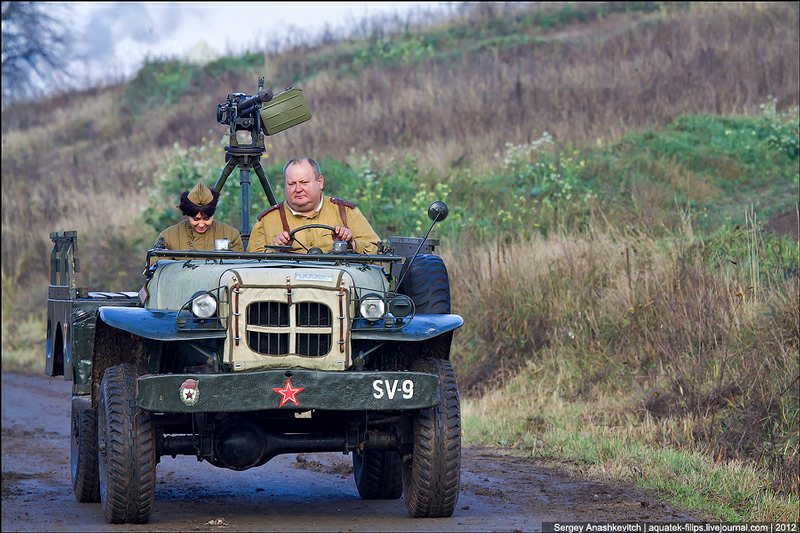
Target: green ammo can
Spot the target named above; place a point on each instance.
(285, 110)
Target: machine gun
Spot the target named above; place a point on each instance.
(258, 115)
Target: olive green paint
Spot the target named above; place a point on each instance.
(254, 391)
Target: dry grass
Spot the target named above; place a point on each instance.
(85, 168)
(611, 77)
(657, 339)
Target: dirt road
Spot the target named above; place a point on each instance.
(307, 492)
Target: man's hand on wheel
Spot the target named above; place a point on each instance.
(343, 233)
(281, 239)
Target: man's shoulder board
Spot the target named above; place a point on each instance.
(268, 210)
(339, 201)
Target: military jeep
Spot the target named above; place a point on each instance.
(237, 357)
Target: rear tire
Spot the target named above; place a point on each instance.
(125, 449)
(432, 475)
(378, 474)
(83, 453)
(427, 284)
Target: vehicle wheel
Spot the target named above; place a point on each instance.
(125, 449)
(427, 284)
(83, 453)
(378, 474)
(431, 476)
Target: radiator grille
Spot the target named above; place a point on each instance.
(275, 314)
(278, 328)
(312, 314)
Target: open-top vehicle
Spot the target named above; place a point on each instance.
(236, 357)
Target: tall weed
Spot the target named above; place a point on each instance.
(686, 335)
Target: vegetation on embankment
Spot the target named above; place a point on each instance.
(608, 169)
(652, 360)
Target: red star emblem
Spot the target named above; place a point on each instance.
(288, 393)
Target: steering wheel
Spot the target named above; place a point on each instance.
(310, 226)
(314, 249)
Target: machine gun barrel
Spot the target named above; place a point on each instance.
(246, 105)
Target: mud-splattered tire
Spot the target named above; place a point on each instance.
(431, 476)
(125, 449)
(83, 453)
(427, 284)
(378, 474)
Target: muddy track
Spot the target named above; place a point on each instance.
(306, 492)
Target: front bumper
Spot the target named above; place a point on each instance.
(287, 389)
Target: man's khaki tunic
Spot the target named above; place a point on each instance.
(365, 240)
(181, 236)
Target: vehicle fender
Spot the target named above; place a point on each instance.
(421, 328)
(155, 324)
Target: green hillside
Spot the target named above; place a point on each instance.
(610, 170)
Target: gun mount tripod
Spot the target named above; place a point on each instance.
(242, 113)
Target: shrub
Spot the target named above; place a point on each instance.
(157, 84)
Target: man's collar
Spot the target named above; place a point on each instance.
(299, 214)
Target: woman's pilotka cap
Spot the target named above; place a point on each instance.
(200, 199)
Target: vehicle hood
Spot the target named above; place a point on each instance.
(173, 283)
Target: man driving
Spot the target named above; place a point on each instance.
(306, 204)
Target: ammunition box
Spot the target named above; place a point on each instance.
(285, 110)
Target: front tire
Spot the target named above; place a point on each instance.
(125, 449)
(378, 474)
(432, 475)
(83, 452)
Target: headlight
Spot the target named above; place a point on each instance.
(204, 305)
(401, 306)
(372, 307)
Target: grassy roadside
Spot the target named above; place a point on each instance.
(647, 329)
(24, 345)
(636, 359)
(729, 491)
(24, 339)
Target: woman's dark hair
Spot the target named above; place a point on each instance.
(191, 209)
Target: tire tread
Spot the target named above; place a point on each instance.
(85, 480)
(130, 449)
(432, 476)
(427, 284)
(379, 474)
